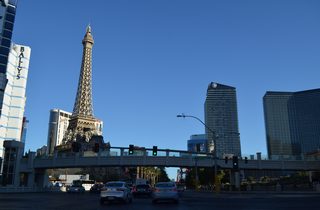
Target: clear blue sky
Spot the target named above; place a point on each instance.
(154, 59)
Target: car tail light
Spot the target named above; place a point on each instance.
(134, 189)
(174, 189)
(156, 190)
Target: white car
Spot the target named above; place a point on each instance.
(115, 191)
(164, 191)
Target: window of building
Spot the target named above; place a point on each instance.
(11, 9)
(4, 51)
(3, 59)
(8, 25)
(10, 17)
(7, 34)
(6, 42)
(3, 68)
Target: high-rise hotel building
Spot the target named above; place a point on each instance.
(292, 121)
(14, 96)
(221, 116)
(58, 125)
(14, 64)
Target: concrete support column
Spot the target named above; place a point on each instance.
(310, 176)
(278, 187)
(196, 173)
(167, 153)
(31, 179)
(42, 178)
(12, 160)
(231, 178)
(31, 157)
(121, 151)
(237, 180)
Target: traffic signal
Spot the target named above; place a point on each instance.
(131, 147)
(154, 150)
(226, 160)
(235, 162)
(245, 160)
(96, 147)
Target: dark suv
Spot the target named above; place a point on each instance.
(96, 188)
(142, 189)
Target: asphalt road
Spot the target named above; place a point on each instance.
(189, 200)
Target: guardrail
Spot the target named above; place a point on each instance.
(9, 189)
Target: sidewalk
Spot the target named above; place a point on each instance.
(193, 193)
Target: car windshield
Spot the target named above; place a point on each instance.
(114, 184)
(168, 184)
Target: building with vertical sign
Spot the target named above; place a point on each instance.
(14, 96)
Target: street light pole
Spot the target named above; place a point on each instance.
(216, 182)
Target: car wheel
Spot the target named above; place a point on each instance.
(176, 201)
(126, 200)
(101, 202)
(154, 201)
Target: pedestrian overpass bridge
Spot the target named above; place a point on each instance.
(33, 167)
(118, 157)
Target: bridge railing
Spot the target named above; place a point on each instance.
(124, 151)
(141, 151)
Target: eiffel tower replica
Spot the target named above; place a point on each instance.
(83, 130)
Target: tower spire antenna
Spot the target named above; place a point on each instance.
(88, 28)
(83, 104)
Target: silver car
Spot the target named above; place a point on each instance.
(165, 191)
(115, 191)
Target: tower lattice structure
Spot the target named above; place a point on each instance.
(82, 124)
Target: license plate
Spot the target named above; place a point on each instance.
(110, 198)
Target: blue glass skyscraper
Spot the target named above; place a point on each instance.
(292, 121)
(7, 16)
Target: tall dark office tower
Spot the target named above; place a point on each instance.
(292, 121)
(7, 16)
(221, 116)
